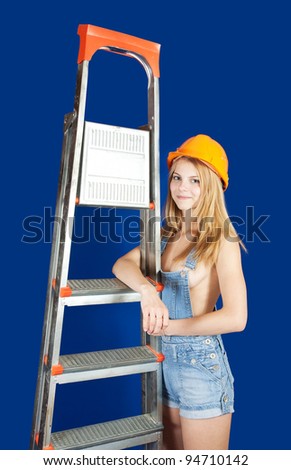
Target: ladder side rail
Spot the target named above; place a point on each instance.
(55, 308)
(74, 171)
(52, 270)
(154, 224)
(151, 253)
(69, 204)
(153, 217)
(58, 224)
(64, 249)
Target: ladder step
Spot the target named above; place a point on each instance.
(106, 363)
(107, 359)
(98, 435)
(99, 291)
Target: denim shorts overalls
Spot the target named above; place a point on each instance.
(196, 374)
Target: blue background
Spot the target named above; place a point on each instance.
(224, 72)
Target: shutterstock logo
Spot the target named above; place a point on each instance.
(106, 225)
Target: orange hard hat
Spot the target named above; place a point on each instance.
(207, 150)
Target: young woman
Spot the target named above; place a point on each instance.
(200, 262)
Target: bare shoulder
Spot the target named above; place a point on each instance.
(229, 246)
(229, 257)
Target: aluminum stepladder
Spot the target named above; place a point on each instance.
(93, 158)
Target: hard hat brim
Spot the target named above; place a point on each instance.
(173, 155)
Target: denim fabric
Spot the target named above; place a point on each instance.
(197, 377)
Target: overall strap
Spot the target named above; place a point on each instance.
(190, 261)
(164, 242)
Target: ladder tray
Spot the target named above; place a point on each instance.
(115, 166)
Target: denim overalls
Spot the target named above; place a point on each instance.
(196, 374)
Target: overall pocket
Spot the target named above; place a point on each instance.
(205, 358)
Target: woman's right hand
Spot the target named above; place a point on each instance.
(155, 313)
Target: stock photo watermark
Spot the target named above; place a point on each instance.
(105, 226)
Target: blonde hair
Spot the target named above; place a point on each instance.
(209, 216)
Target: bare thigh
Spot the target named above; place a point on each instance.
(210, 433)
(172, 435)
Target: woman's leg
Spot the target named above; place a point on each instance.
(172, 435)
(210, 433)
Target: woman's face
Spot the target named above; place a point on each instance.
(185, 184)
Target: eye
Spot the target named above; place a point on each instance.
(195, 181)
(175, 177)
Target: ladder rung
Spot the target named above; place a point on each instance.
(117, 432)
(99, 291)
(107, 363)
(107, 358)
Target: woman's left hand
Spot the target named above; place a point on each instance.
(164, 331)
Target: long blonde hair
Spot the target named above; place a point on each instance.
(210, 217)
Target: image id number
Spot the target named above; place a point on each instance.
(206, 459)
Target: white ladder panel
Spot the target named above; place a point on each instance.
(115, 166)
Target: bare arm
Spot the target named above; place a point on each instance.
(233, 314)
(155, 313)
